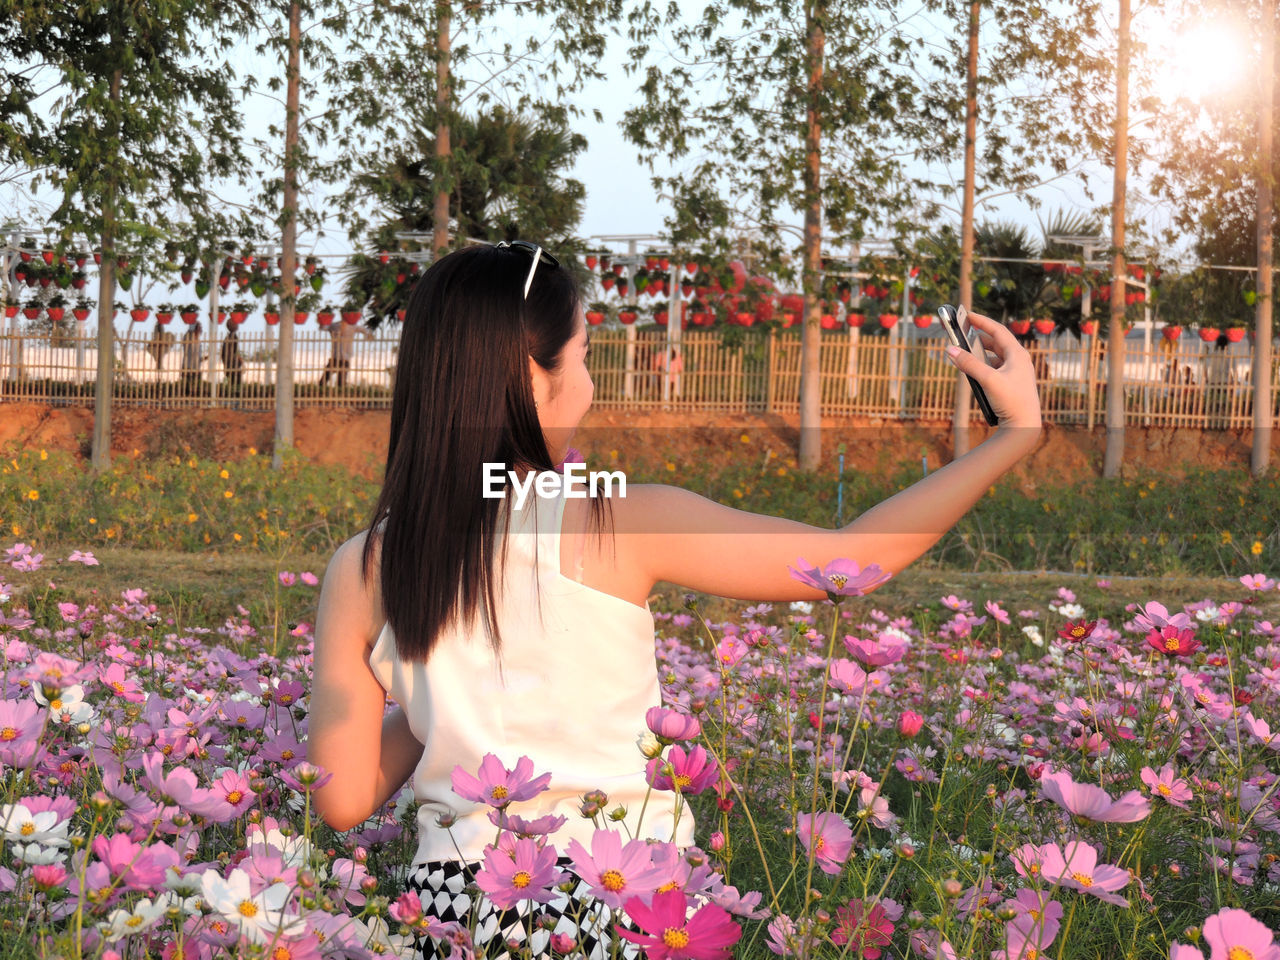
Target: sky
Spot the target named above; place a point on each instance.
(620, 198)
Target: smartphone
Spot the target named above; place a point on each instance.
(952, 318)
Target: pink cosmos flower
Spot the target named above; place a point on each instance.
(1257, 581)
(138, 867)
(526, 828)
(498, 786)
(1262, 730)
(670, 935)
(829, 837)
(868, 930)
(1093, 803)
(179, 786)
(691, 772)
(669, 725)
(847, 677)
(1176, 792)
(227, 797)
(287, 578)
(1154, 616)
(309, 578)
(28, 563)
(840, 578)
(1173, 642)
(731, 650)
(884, 650)
(1001, 615)
(124, 686)
(528, 872)
(909, 723)
(20, 724)
(615, 872)
(87, 558)
(1078, 869)
(1232, 933)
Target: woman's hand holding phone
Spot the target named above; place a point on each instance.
(1010, 384)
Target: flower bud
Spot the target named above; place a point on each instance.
(650, 746)
(618, 813)
(717, 841)
(915, 919)
(822, 916)
(905, 850)
(1006, 912)
(952, 888)
(368, 884)
(306, 879)
(359, 854)
(445, 821)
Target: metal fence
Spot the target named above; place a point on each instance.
(899, 374)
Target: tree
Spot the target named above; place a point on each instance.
(511, 182)
(143, 116)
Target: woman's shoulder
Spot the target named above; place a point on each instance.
(346, 582)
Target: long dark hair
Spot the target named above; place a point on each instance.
(463, 397)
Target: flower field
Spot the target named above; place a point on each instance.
(967, 782)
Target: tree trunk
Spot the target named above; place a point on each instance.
(1115, 340)
(440, 214)
(1261, 454)
(101, 452)
(964, 393)
(288, 245)
(811, 332)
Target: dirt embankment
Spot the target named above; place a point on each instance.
(357, 439)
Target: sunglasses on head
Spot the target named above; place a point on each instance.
(535, 251)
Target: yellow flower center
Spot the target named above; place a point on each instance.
(612, 881)
(521, 879)
(1034, 869)
(499, 792)
(133, 921)
(248, 908)
(117, 686)
(287, 754)
(819, 844)
(9, 733)
(281, 953)
(677, 938)
(670, 885)
(1035, 915)
(839, 579)
(55, 704)
(28, 829)
(234, 796)
(1083, 879)
(681, 780)
(1239, 953)
(1164, 789)
(1171, 643)
(1077, 631)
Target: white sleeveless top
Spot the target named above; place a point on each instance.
(577, 686)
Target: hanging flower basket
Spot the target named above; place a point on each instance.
(1235, 334)
(272, 318)
(163, 317)
(856, 319)
(1171, 331)
(55, 314)
(189, 317)
(592, 260)
(400, 314)
(691, 267)
(139, 314)
(888, 320)
(1089, 327)
(595, 317)
(351, 317)
(660, 318)
(1208, 334)
(1043, 325)
(829, 321)
(746, 318)
(31, 313)
(81, 313)
(300, 317)
(324, 318)
(238, 316)
(1020, 327)
(922, 321)
(627, 316)
(11, 310)
(222, 316)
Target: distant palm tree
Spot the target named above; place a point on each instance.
(510, 182)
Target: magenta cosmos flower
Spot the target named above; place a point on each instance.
(840, 578)
(669, 934)
(881, 652)
(867, 930)
(670, 725)
(829, 837)
(497, 786)
(1164, 784)
(1173, 642)
(524, 872)
(1232, 934)
(1093, 803)
(690, 773)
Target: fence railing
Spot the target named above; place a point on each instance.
(900, 375)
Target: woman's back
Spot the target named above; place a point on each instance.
(571, 693)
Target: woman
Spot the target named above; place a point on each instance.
(551, 655)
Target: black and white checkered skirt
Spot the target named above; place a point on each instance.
(447, 892)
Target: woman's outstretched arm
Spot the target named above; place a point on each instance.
(675, 535)
(370, 754)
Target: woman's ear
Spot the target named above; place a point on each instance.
(540, 381)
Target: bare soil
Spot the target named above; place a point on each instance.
(357, 440)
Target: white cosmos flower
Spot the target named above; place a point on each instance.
(37, 854)
(1032, 633)
(22, 825)
(123, 923)
(294, 851)
(801, 606)
(1206, 614)
(260, 917)
(65, 699)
